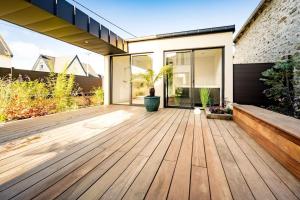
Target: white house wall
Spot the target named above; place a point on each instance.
(157, 47)
(5, 61)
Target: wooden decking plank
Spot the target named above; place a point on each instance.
(99, 187)
(258, 187)
(71, 176)
(155, 146)
(236, 181)
(80, 149)
(173, 151)
(41, 124)
(120, 186)
(68, 136)
(83, 184)
(141, 184)
(198, 158)
(219, 188)
(62, 170)
(180, 186)
(279, 189)
(289, 179)
(199, 184)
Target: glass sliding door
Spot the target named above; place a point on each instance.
(207, 74)
(121, 76)
(192, 71)
(139, 66)
(128, 86)
(179, 82)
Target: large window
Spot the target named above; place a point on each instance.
(192, 71)
(128, 85)
(179, 81)
(139, 66)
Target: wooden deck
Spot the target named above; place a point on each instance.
(122, 152)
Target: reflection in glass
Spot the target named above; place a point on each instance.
(139, 65)
(179, 81)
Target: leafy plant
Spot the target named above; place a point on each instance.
(150, 78)
(178, 95)
(98, 95)
(63, 90)
(204, 96)
(280, 82)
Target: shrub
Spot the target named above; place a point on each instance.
(280, 82)
(63, 91)
(98, 96)
(204, 96)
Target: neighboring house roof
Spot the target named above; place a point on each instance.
(230, 28)
(257, 11)
(89, 69)
(4, 49)
(59, 64)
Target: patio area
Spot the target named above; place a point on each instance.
(123, 152)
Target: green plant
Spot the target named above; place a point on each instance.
(280, 83)
(150, 78)
(178, 95)
(204, 96)
(63, 90)
(98, 95)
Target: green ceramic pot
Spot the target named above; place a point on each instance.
(151, 103)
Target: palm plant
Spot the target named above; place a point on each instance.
(150, 78)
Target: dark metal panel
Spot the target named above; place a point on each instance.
(48, 5)
(120, 43)
(65, 11)
(112, 38)
(104, 33)
(247, 88)
(94, 27)
(125, 48)
(81, 20)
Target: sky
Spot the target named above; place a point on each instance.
(139, 17)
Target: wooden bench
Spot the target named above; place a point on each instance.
(277, 133)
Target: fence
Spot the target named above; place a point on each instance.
(247, 88)
(85, 83)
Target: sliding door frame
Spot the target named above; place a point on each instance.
(165, 82)
(111, 76)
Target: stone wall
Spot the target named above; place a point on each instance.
(273, 35)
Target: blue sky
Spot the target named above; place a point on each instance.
(140, 17)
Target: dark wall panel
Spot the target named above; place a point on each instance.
(85, 83)
(81, 20)
(104, 33)
(65, 11)
(94, 27)
(48, 5)
(112, 38)
(120, 43)
(247, 88)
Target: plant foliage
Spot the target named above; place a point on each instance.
(280, 82)
(204, 96)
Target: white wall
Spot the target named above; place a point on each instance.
(191, 42)
(5, 61)
(41, 66)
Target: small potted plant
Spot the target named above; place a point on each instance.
(152, 102)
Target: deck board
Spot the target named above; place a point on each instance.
(122, 152)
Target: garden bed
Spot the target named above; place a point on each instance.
(223, 116)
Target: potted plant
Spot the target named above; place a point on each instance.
(152, 102)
